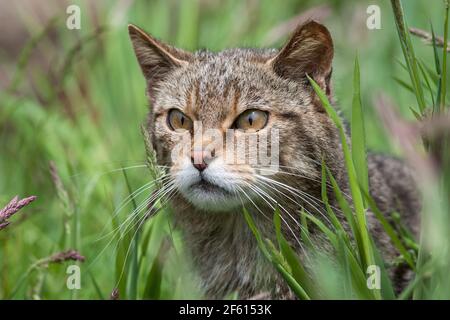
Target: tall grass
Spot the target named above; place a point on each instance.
(69, 133)
(430, 258)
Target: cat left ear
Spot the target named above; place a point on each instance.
(308, 52)
(155, 58)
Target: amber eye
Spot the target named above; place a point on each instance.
(251, 120)
(178, 120)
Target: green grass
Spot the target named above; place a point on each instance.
(84, 115)
(353, 258)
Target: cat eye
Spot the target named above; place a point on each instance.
(178, 120)
(251, 120)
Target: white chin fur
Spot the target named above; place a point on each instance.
(219, 196)
(212, 201)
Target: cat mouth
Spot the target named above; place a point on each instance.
(209, 196)
(209, 190)
(209, 187)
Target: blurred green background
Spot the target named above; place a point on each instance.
(77, 98)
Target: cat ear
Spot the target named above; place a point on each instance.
(155, 58)
(309, 51)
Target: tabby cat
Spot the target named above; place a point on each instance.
(243, 93)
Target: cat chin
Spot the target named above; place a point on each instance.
(212, 200)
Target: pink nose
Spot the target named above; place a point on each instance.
(200, 158)
(200, 166)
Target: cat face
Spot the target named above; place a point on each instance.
(229, 125)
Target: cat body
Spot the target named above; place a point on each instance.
(253, 92)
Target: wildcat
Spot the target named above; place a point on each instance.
(252, 91)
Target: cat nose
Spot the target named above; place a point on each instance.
(200, 159)
(200, 166)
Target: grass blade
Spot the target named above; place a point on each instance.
(390, 231)
(427, 82)
(96, 286)
(256, 233)
(444, 59)
(154, 277)
(352, 177)
(269, 251)
(386, 289)
(358, 135)
(438, 71)
(347, 210)
(298, 272)
(283, 268)
(408, 52)
(134, 267)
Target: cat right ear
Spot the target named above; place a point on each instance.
(155, 58)
(309, 51)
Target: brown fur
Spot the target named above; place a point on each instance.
(215, 88)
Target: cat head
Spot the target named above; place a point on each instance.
(215, 117)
